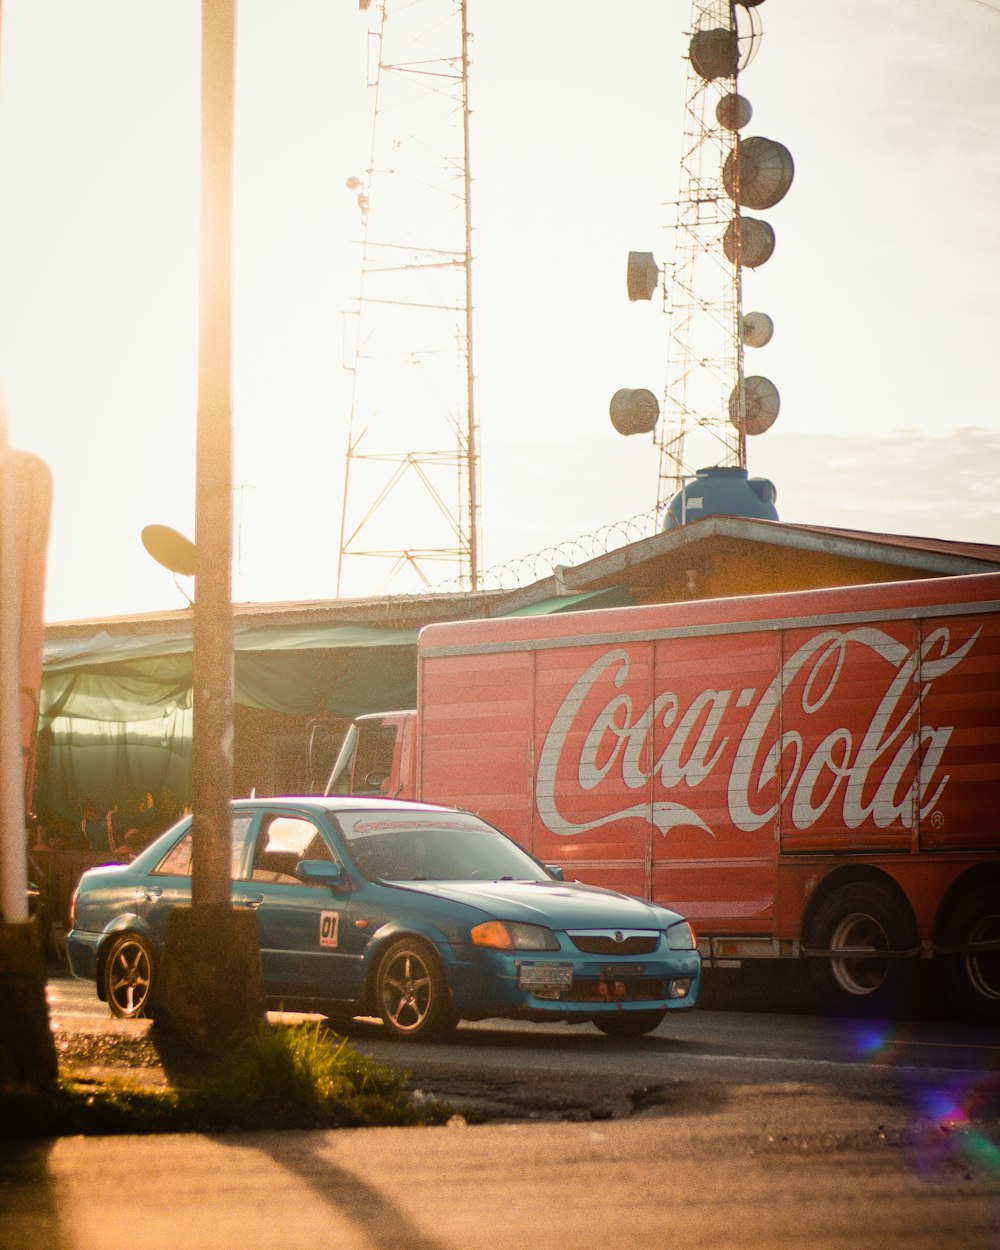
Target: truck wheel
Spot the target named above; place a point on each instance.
(411, 992)
(972, 980)
(862, 914)
(629, 1023)
(127, 977)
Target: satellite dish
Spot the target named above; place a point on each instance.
(169, 548)
(761, 403)
(634, 411)
(714, 53)
(642, 275)
(749, 29)
(749, 238)
(765, 170)
(757, 329)
(733, 111)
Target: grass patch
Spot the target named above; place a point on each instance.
(281, 1077)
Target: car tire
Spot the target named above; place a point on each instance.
(972, 981)
(127, 976)
(630, 1023)
(411, 992)
(862, 914)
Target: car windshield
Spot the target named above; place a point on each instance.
(434, 847)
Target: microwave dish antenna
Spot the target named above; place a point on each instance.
(749, 31)
(733, 111)
(748, 241)
(758, 173)
(757, 329)
(758, 397)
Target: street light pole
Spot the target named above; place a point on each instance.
(212, 992)
(212, 750)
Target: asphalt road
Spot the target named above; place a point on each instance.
(509, 1070)
(724, 1130)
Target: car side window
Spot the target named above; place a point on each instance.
(177, 861)
(281, 842)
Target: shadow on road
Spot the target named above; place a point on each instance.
(384, 1223)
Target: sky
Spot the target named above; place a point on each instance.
(882, 287)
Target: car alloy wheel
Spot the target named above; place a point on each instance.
(412, 993)
(128, 976)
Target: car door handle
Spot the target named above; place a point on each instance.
(251, 901)
(152, 892)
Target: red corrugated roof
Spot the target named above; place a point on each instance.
(943, 546)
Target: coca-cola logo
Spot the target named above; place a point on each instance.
(884, 769)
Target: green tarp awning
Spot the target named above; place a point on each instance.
(299, 670)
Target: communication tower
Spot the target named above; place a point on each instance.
(710, 406)
(411, 479)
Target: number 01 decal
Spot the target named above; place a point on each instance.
(329, 926)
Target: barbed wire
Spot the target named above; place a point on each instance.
(531, 567)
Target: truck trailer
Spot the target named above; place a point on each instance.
(805, 776)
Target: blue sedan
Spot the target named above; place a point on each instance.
(419, 914)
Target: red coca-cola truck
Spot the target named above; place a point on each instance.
(812, 775)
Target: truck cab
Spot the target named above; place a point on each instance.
(376, 757)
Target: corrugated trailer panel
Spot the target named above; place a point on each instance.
(584, 821)
(474, 729)
(960, 714)
(849, 738)
(714, 868)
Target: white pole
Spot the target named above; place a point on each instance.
(13, 854)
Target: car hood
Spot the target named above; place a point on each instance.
(557, 904)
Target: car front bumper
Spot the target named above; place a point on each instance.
(488, 983)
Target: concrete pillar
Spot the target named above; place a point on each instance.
(210, 988)
(27, 1049)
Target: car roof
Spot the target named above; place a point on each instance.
(342, 803)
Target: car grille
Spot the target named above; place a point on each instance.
(633, 990)
(605, 944)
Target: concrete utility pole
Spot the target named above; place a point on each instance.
(27, 1048)
(212, 986)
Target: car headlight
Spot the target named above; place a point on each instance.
(504, 935)
(680, 937)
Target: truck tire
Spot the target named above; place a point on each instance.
(411, 992)
(972, 981)
(862, 914)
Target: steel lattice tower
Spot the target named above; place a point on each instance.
(704, 349)
(411, 479)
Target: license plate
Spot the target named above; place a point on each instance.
(546, 976)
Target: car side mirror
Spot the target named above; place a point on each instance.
(320, 872)
(556, 871)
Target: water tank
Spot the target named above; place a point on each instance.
(722, 491)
